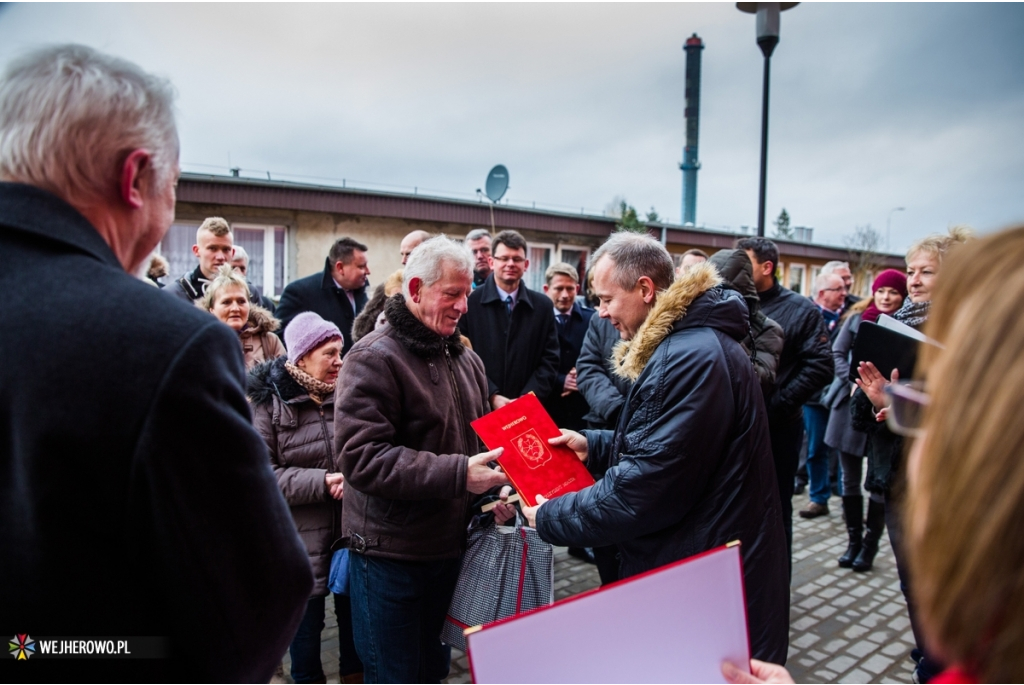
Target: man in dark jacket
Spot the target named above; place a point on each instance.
(406, 396)
(604, 390)
(214, 247)
(765, 341)
(805, 366)
(511, 327)
(688, 467)
(337, 295)
(136, 497)
(565, 403)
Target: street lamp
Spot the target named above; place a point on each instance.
(888, 220)
(767, 38)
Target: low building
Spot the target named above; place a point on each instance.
(287, 229)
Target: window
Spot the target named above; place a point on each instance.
(796, 278)
(266, 248)
(576, 257)
(258, 241)
(815, 272)
(176, 248)
(539, 255)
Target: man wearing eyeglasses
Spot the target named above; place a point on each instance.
(830, 294)
(479, 243)
(512, 328)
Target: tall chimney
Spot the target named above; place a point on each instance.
(690, 165)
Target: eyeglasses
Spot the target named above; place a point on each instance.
(834, 290)
(907, 408)
(518, 261)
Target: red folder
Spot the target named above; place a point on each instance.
(523, 427)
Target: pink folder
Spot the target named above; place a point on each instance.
(675, 624)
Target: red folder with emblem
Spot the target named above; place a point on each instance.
(523, 427)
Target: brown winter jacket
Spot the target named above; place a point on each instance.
(300, 437)
(405, 401)
(259, 343)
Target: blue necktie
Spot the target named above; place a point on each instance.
(509, 304)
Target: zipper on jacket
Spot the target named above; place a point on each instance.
(330, 463)
(458, 397)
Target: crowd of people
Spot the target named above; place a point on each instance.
(212, 453)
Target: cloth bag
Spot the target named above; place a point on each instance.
(506, 571)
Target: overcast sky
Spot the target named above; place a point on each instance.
(874, 106)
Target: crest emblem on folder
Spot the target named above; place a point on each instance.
(533, 449)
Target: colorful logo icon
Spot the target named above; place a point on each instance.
(22, 647)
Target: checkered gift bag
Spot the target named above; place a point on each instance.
(506, 571)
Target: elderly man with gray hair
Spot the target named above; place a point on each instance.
(842, 269)
(689, 465)
(406, 396)
(137, 498)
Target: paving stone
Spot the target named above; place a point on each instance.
(856, 676)
(876, 664)
(862, 649)
(841, 664)
(804, 641)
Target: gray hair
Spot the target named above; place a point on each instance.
(69, 113)
(240, 253)
(637, 255)
(432, 258)
(823, 280)
(477, 234)
(830, 267)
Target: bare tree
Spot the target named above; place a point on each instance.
(865, 260)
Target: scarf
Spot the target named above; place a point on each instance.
(914, 314)
(872, 313)
(317, 390)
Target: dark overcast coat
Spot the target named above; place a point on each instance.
(318, 293)
(520, 354)
(689, 466)
(135, 495)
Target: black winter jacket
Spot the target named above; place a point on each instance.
(689, 466)
(136, 498)
(318, 293)
(604, 391)
(805, 366)
(520, 354)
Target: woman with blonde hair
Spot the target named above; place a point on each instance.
(869, 407)
(227, 298)
(965, 475)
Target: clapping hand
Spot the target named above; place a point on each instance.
(873, 383)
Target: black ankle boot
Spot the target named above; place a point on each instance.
(875, 526)
(853, 510)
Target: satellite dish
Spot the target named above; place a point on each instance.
(497, 183)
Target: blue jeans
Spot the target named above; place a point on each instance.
(398, 610)
(815, 421)
(305, 647)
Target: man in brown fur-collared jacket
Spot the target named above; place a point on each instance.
(689, 466)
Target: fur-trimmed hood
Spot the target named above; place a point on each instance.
(271, 378)
(260, 321)
(412, 333)
(722, 309)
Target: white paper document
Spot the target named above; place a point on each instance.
(886, 321)
(676, 624)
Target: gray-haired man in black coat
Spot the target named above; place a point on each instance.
(137, 500)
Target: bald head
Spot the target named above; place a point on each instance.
(410, 242)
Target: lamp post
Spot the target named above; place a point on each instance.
(767, 38)
(888, 221)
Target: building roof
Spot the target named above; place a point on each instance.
(250, 192)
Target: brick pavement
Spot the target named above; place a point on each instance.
(844, 627)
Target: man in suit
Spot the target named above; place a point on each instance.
(565, 403)
(136, 497)
(512, 328)
(337, 295)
